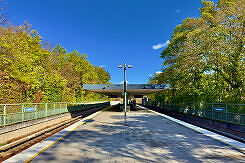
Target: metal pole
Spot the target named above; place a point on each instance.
(46, 109)
(4, 114)
(35, 112)
(226, 112)
(125, 96)
(22, 110)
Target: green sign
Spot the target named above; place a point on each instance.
(123, 93)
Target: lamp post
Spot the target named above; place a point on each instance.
(125, 66)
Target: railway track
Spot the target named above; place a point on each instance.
(19, 145)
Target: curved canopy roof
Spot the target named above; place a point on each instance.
(132, 89)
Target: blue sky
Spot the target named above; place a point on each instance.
(110, 32)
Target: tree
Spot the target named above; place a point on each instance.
(33, 72)
(25, 63)
(103, 76)
(204, 60)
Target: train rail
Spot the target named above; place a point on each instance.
(21, 144)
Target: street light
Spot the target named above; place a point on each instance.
(125, 66)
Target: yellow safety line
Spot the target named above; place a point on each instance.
(203, 133)
(31, 158)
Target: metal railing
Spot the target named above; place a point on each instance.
(15, 113)
(230, 113)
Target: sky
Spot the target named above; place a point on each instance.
(109, 32)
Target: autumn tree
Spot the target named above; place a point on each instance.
(31, 72)
(204, 60)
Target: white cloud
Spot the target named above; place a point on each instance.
(158, 72)
(123, 82)
(177, 11)
(159, 46)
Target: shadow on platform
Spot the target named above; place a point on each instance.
(148, 138)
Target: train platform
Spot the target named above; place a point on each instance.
(149, 137)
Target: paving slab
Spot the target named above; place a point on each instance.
(147, 138)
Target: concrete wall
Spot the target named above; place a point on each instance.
(18, 130)
(139, 100)
(114, 102)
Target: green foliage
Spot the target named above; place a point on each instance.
(52, 86)
(33, 72)
(204, 61)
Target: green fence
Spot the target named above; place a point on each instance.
(230, 113)
(15, 113)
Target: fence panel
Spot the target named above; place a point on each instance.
(15, 113)
(231, 113)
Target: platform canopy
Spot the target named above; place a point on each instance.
(132, 89)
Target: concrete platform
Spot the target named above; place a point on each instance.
(148, 138)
